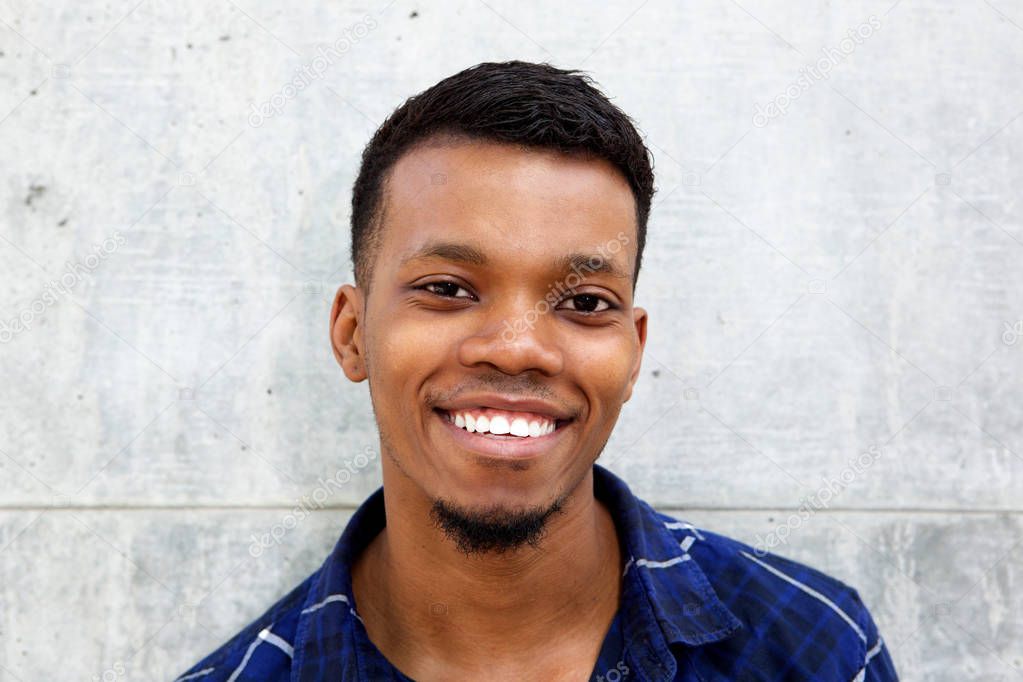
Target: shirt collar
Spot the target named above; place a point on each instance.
(666, 597)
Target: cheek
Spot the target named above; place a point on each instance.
(603, 365)
(403, 353)
(399, 337)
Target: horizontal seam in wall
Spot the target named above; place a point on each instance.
(352, 508)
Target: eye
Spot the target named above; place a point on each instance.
(445, 289)
(588, 303)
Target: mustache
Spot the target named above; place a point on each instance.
(518, 387)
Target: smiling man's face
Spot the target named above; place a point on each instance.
(475, 315)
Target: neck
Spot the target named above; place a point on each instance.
(423, 600)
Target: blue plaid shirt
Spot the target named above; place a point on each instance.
(695, 605)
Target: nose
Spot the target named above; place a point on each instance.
(515, 339)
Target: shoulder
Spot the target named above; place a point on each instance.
(731, 564)
(262, 650)
(738, 569)
(792, 612)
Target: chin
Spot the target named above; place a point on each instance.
(481, 486)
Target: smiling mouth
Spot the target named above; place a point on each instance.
(503, 425)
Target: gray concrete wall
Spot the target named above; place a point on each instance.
(833, 271)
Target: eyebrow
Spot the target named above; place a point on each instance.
(453, 251)
(470, 255)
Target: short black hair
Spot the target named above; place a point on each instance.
(515, 102)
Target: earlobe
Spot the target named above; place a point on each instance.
(346, 332)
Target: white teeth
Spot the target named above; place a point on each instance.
(501, 425)
(519, 427)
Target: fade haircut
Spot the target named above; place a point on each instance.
(534, 106)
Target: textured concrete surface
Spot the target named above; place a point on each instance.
(833, 276)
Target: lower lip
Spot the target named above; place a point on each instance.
(504, 447)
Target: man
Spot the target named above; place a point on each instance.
(498, 223)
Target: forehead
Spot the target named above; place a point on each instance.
(518, 205)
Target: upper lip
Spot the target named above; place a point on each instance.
(507, 402)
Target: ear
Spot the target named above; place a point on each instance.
(639, 317)
(346, 332)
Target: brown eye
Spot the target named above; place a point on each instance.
(445, 289)
(588, 303)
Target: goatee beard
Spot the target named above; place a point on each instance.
(493, 530)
